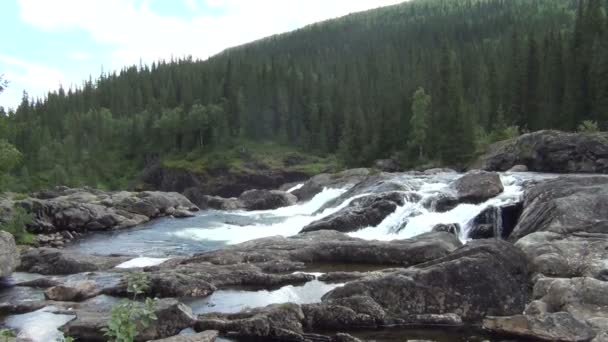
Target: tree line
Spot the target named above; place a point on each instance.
(432, 81)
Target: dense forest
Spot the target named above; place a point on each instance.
(430, 81)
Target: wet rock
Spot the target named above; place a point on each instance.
(9, 257)
(182, 213)
(559, 326)
(50, 261)
(373, 184)
(495, 221)
(481, 231)
(172, 317)
(453, 228)
(518, 168)
(368, 211)
(441, 203)
(485, 277)
(340, 337)
(333, 181)
(334, 248)
(206, 336)
(266, 199)
(550, 151)
(477, 187)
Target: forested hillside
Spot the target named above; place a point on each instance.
(430, 80)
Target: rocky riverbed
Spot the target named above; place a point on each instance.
(361, 255)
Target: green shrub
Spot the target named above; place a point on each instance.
(6, 334)
(588, 126)
(129, 316)
(17, 226)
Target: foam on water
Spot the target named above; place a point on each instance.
(38, 326)
(297, 187)
(142, 262)
(414, 219)
(231, 301)
(296, 217)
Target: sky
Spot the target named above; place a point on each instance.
(48, 43)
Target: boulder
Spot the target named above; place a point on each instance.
(453, 228)
(518, 168)
(83, 210)
(549, 151)
(9, 256)
(586, 299)
(368, 211)
(205, 336)
(334, 181)
(62, 293)
(441, 203)
(172, 317)
(565, 205)
(559, 326)
(566, 256)
(219, 203)
(485, 277)
(477, 187)
(51, 261)
(266, 199)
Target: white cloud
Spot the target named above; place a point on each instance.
(36, 78)
(129, 31)
(136, 32)
(78, 55)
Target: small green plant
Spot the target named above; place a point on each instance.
(588, 126)
(129, 316)
(67, 339)
(17, 226)
(6, 334)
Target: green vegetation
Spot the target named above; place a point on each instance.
(246, 156)
(588, 126)
(6, 334)
(17, 226)
(346, 88)
(128, 317)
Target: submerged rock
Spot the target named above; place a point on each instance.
(368, 211)
(9, 256)
(485, 277)
(550, 151)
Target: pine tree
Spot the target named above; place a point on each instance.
(419, 123)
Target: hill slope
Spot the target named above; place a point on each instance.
(346, 86)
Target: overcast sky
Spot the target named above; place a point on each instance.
(46, 43)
